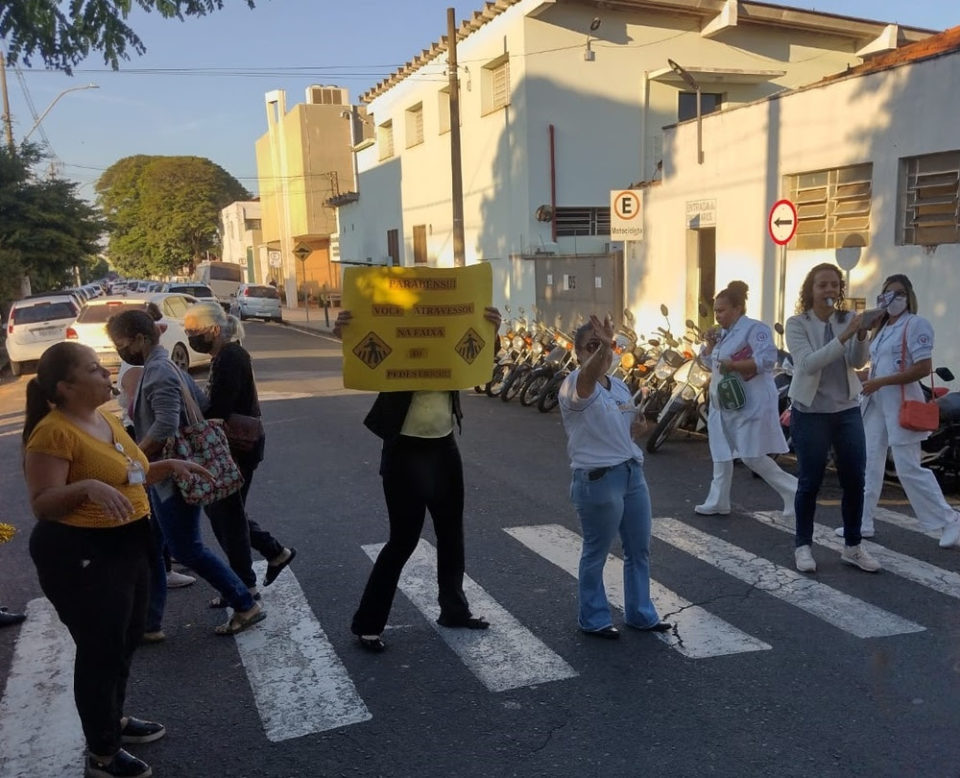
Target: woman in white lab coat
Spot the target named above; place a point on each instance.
(900, 356)
(744, 346)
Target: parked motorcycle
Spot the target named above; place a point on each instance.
(653, 394)
(557, 361)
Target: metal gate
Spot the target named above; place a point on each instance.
(570, 288)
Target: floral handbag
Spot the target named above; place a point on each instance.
(203, 441)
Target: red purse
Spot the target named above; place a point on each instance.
(914, 414)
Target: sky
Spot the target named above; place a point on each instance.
(199, 89)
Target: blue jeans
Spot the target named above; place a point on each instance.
(180, 524)
(813, 434)
(618, 501)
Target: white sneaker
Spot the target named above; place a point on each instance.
(865, 532)
(711, 510)
(804, 559)
(177, 580)
(951, 534)
(788, 512)
(858, 557)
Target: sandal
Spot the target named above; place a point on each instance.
(274, 570)
(239, 623)
(219, 602)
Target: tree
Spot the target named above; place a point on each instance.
(164, 211)
(62, 38)
(46, 229)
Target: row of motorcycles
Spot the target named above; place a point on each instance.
(670, 383)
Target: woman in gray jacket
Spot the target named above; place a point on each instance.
(827, 344)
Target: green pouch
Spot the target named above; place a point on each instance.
(730, 393)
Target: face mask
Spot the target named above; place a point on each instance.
(200, 343)
(134, 358)
(898, 306)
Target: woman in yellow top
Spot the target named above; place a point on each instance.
(91, 545)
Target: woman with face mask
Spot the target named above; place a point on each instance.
(827, 344)
(900, 356)
(232, 389)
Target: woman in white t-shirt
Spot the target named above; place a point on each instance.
(608, 488)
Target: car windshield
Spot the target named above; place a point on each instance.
(98, 314)
(31, 314)
(262, 291)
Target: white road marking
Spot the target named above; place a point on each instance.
(835, 607)
(505, 656)
(299, 684)
(916, 570)
(40, 730)
(698, 634)
(904, 522)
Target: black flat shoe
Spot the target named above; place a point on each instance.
(8, 619)
(274, 570)
(607, 633)
(468, 622)
(373, 645)
(660, 626)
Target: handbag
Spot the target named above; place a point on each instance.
(916, 415)
(203, 441)
(730, 392)
(243, 432)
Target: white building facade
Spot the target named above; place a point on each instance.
(555, 115)
(240, 232)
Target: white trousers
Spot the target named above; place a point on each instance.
(924, 493)
(782, 483)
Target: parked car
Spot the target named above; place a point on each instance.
(200, 291)
(36, 323)
(258, 302)
(89, 327)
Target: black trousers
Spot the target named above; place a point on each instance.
(419, 474)
(99, 581)
(237, 533)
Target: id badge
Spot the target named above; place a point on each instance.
(135, 474)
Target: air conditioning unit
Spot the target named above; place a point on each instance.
(327, 95)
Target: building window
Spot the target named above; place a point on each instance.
(251, 224)
(928, 195)
(414, 128)
(443, 110)
(833, 207)
(420, 244)
(385, 139)
(582, 221)
(687, 104)
(495, 86)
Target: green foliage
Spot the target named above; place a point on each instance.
(46, 229)
(164, 212)
(62, 37)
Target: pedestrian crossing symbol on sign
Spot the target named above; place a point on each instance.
(470, 345)
(372, 350)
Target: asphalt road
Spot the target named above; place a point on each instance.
(838, 674)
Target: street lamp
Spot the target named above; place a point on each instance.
(53, 103)
(691, 82)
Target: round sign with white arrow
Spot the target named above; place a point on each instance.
(782, 222)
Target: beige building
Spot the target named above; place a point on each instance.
(241, 236)
(303, 161)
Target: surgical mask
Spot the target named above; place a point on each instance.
(134, 358)
(898, 306)
(199, 343)
(893, 301)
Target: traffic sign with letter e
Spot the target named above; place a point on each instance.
(782, 222)
(626, 214)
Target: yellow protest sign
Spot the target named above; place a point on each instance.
(417, 328)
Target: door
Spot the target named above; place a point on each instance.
(701, 275)
(570, 288)
(420, 244)
(393, 246)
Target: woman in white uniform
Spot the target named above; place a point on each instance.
(743, 346)
(900, 356)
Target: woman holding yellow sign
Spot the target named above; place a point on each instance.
(421, 470)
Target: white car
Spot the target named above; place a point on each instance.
(90, 326)
(36, 323)
(258, 302)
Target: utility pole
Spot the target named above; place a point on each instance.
(456, 174)
(7, 120)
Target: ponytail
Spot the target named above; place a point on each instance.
(37, 407)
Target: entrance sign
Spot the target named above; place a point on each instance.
(782, 222)
(701, 213)
(626, 214)
(417, 328)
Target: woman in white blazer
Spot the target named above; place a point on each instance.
(900, 355)
(827, 344)
(744, 346)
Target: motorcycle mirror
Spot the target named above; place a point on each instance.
(778, 328)
(945, 373)
(703, 309)
(628, 316)
(664, 311)
(691, 325)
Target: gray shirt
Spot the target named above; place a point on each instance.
(158, 410)
(833, 393)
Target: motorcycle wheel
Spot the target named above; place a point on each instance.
(500, 375)
(534, 389)
(513, 385)
(550, 396)
(665, 427)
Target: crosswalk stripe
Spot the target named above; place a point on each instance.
(698, 634)
(835, 607)
(299, 683)
(505, 656)
(903, 521)
(916, 570)
(39, 727)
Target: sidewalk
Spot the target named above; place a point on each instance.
(297, 317)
